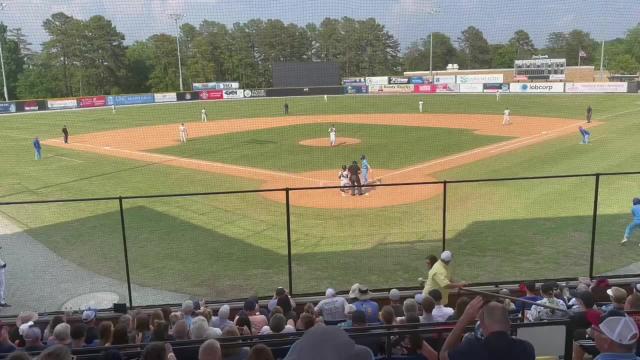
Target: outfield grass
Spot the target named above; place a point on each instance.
(388, 147)
(229, 246)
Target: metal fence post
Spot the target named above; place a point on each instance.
(594, 222)
(444, 215)
(289, 241)
(126, 252)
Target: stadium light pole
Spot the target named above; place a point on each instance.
(432, 11)
(602, 62)
(3, 6)
(176, 17)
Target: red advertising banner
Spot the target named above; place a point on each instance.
(93, 101)
(520, 78)
(211, 94)
(31, 105)
(433, 88)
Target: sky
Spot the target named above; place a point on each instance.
(408, 20)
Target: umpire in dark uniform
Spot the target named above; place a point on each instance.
(65, 134)
(354, 178)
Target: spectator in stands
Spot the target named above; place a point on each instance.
(285, 303)
(440, 312)
(160, 331)
(313, 346)
(429, 261)
(244, 325)
(222, 320)
(156, 351)
(48, 331)
(260, 352)
(305, 322)
(61, 335)
(142, 328)
(233, 353)
(199, 328)
(615, 335)
(127, 320)
(258, 321)
(440, 278)
(280, 291)
(24, 320)
(511, 308)
(414, 344)
(370, 308)
(580, 322)
(180, 330)
(461, 305)
(56, 352)
(105, 333)
(531, 295)
(332, 309)
(496, 344)
(89, 319)
(618, 296)
(173, 318)
(78, 334)
(428, 305)
(33, 340)
(120, 335)
(187, 312)
(394, 298)
(573, 305)
(19, 355)
(166, 312)
(5, 344)
(210, 350)
(277, 324)
(387, 315)
(410, 306)
(599, 290)
(359, 324)
(633, 301)
(348, 323)
(539, 313)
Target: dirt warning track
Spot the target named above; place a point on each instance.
(133, 143)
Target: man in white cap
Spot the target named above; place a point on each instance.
(615, 335)
(440, 278)
(333, 309)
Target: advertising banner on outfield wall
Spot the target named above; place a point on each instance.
(165, 97)
(31, 105)
(7, 107)
(377, 80)
(355, 89)
(216, 85)
(479, 79)
(253, 93)
(448, 79)
(470, 88)
(92, 101)
(390, 89)
(595, 87)
(536, 87)
(188, 96)
(130, 99)
(354, 81)
(492, 88)
(435, 88)
(233, 94)
(210, 95)
(556, 77)
(62, 104)
(398, 80)
(520, 78)
(417, 80)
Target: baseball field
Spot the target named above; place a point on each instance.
(229, 246)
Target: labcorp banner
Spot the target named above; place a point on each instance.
(479, 79)
(233, 94)
(62, 104)
(165, 97)
(536, 87)
(596, 87)
(377, 80)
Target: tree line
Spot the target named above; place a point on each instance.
(89, 57)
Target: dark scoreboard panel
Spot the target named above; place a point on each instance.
(305, 74)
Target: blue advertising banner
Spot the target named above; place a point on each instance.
(355, 89)
(7, 107)
(416, 80)
(130, 99)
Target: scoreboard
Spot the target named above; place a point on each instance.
(540, 68)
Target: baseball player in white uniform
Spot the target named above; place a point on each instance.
(3, 300)
(332, 135)
(203, 115)
(343, 175)
(183, 133)
(326, 98)
(113, 108)
(420, 105)
(498, 95)
(506, 118)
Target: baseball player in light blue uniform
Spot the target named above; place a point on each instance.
(635, 212)
(365, 169)
(585, 135)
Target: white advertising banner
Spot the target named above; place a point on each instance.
(471, 88)
(233, 94)
(556, 77)
(386, 89)
(165, 97)
(536, 87)
(377, 80)
(62, 104)
(448, 79)
(596, 87)
(479, 78)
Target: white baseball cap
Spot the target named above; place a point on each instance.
(621, 329)
(446, 256)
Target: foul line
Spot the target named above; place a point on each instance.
(620, 113)
(66, 158)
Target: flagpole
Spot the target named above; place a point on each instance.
(601, 62)
(579, 57)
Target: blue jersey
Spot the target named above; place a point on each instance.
(36, 144)
(635, 210)
(365, 165)
(584, 132)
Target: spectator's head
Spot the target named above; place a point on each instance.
(359, 318)
(260, 352)
(206, 313)
(363, 293)
(212, 333)
(199, 327)
(187, 308)
(428, 304)
(62, 334)
(56, 352)
(78, 333)
(58, 319)
(585, 300)
(180, 330)
(633, 300)
(285, 303)
(120, 335)
(243, 322)
(280, 291)
(105, 332)
(309, 309)
(547, 289)
(415, 340)
(154, 351)
(277, 310)
(353, 293)
(636, 201)
(223, 312)
(617, 295)
(394, 296)
(156, 316)
(126, 320)
(166, 312)
(431, 260)
(142, 323)
(306, 322)
(614, 332)
(410, 306)
(530, 287)
(210, 350)
(249, 307)
(387, 315)
(330, 293)
(277, 323)
(446, 257)
(313, 346)
(436, 295)
(494, 317)
(174, 317)
(33, 336)
(89, 317)
(26, 317)
(160, 331)
(461, 305)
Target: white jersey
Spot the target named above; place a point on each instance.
(343, 175)
(507, 113)
(332, 131)
(183, 130)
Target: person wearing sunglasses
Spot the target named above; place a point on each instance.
(615, 335)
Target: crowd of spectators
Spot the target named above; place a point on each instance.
(597, 331)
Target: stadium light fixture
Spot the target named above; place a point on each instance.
(3, 6)
(431, 11)
(176, 18)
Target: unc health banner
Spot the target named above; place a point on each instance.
(470, 88)
(596, 87)
(377, 80)
(130, 99)
(62, 104)
(216, 85)
(92, 101)
(165, 97)
(479, 79)
(211, 95)
(536, 87)
(233, 94)
(447, 79)
(390, 89)
(435, 88)
(7, 107)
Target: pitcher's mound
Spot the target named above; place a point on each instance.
(325, 142)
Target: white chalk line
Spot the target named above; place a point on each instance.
(67, 158)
